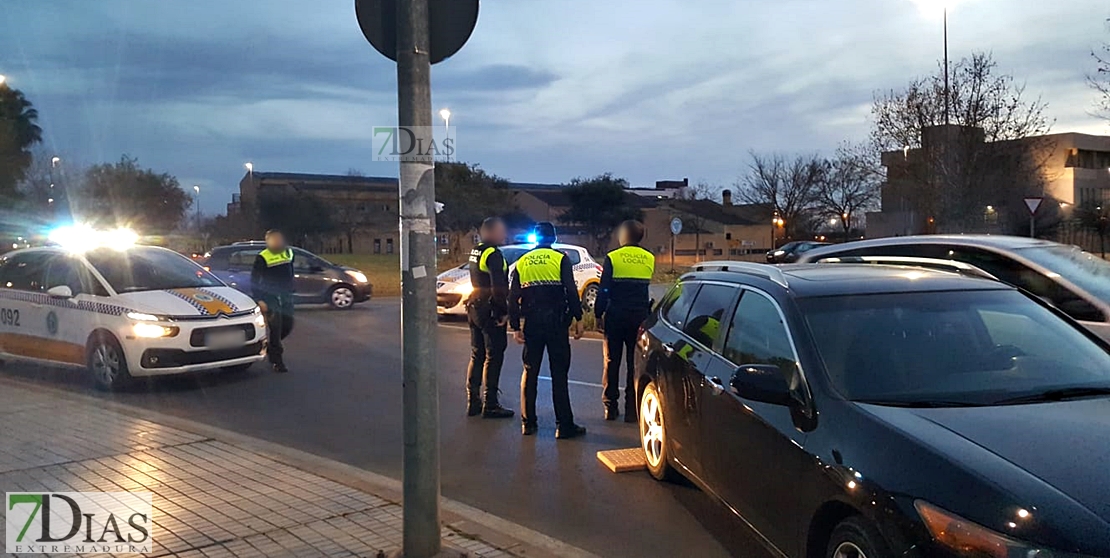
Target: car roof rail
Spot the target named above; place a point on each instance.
(930, 263)
(761, 270)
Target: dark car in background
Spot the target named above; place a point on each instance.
(1076, 282)
(317, 281)
(791, 251)
(847, 410)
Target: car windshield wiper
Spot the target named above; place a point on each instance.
(917, 404)
(1056, 395)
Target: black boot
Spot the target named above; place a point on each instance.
(569, 431)
(473, 407)
(529, 429)
(611, 412)
(496, 411)
(279, 366)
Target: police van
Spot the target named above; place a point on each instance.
(453, 286)
(121, 311)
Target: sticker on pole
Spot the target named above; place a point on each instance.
(676, 225)
(1033, 203)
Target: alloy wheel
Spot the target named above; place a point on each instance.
(342, 297)
(106, 364)
(589, 298)
(652, 436)
(848, 550)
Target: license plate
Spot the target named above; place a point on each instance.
(225, 338)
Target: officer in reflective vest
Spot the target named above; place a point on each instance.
(487, 311)
(543, 292)
(622, 305)
(272, 287)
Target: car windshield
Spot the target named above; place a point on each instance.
(149, 269)
(955, 348)
(1087, 271)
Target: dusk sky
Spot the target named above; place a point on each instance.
(546, 90)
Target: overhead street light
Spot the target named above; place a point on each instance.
(3, 79)
(55, 160)
(445, 114)
(929, 8)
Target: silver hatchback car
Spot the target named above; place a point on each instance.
(1074, 281)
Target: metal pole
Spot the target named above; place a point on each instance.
(947, 91)
(421, 522)
(1032, 226)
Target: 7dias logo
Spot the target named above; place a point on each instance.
(421, 144)
(78, 522)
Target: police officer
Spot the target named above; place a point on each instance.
(487, 313)
(544, 294)
(272, 287)
(622, 305)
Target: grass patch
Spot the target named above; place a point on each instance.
(383, 271)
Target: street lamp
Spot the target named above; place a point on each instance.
(931, 7)
(250, 168)
(196, 201)
(446, 116)
(3, 79)
(55, 160)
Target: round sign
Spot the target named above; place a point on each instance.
(676, 225)
(450, 23)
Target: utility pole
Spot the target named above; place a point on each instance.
(947, 91)
(421, 524)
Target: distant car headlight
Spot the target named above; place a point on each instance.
(358, 276)
(779, 252)
(153, 331)
(464, 288)
(966, 538)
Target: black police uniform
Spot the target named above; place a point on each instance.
(486, 310)
(272, 283)
(544, 294)
(622, 304)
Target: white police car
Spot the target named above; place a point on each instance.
(453, 285)
(123, 311)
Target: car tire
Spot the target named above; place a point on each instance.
(341, 297)
(589, 297)
(653, 434)
(857, 537)
(107, 363)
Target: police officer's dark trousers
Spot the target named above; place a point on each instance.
(621, 327)
(279, 322)
(487, 354)
(546, 331)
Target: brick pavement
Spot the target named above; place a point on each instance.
(212, 498)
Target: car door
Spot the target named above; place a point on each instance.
(67, 325)
(673, 365)
(237, 272)
(693, 357)
(757, 450)
(310, 278)
(23, 305)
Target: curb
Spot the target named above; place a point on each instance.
(457, 516)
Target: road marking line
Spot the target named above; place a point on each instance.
(575, 382)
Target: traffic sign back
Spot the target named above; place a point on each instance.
(450, 23)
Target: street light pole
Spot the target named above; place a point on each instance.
(196, 202)
(947, 90)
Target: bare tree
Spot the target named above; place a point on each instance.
(1100, 80)
(790, 187)
(951, 173)
(849, 185)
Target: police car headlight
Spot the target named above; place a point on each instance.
(141, 317)
(259, 318)
(153, 331)
(358, 276)
(464, 288)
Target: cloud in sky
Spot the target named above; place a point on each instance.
(546, 90)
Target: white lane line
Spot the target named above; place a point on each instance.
(575, 382)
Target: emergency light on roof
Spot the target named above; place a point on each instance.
(531, 238)
(80, 238)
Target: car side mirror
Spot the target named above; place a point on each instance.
(61, 291)
(761, 382)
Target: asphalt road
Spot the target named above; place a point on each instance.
(343, 401)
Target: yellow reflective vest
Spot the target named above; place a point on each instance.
(542, 266)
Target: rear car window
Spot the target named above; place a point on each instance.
(573, 255)
(678, 302)
(708, 311)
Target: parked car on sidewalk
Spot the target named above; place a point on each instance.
(124, 312)
(317, 281)
(1076, 282)
(791, 251)
(453, 285)
(845, 410)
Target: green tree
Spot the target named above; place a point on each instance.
(469, 194)
(18, 132)
(125, 194)
(598, 205)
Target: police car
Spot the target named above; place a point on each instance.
(453, 285)
(120, 310)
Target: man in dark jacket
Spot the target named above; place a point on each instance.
(543, 292)
(272, 287)
(621, 306)
(487, 313)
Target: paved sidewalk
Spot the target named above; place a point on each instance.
(214, 494)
